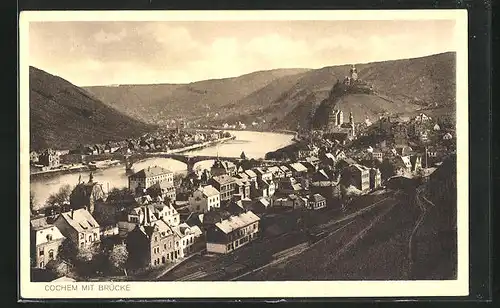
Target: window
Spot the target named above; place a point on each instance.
(42, 264)
(51, 254)
(82, 236)
(90, 238)
(156, 239)
(49, 237)
(41, 252)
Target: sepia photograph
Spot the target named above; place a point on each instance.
(275, 149)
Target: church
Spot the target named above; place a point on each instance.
(339, 130)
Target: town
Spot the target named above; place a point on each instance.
(162, 227)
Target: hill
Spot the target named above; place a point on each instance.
(63, 115)
(400, 87)
(163, 102)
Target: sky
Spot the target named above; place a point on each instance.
(90, 53)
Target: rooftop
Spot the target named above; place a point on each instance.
(150, 172)
(210, 191)
(223, 179)
(81, 220)
(236, 222)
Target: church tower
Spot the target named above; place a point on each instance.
(351, 123)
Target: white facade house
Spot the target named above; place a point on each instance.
(204, 199)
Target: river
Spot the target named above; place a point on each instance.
(254, 144)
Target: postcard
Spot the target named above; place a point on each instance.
(243, 154)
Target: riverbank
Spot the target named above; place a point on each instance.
(109, 162)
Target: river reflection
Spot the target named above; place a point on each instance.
(254, 144)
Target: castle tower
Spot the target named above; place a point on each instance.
(340, 118)
(351, 118)
(354, 73)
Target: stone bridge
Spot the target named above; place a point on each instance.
(189, 160)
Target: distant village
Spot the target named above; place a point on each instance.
(156, 222)
(95, 155)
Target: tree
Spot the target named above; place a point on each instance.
(32, 202)
(118, 257)
(61, 197)
(387, 169)
(68, 251)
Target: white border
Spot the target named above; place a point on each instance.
(169, 290)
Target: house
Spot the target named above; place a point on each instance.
(375, 178)
(328, 189)
(377, 155)
(358, 176)
(243, 188)
(403, 165)
(223, 167)
(79, 226)
(111, 147)
(286, 171)
(188, 236)
(344, 163)
(165, 190)
(328, 159)
(231, 233)
(313, 160)
(289, 186)
(265, 188)
(147, 177)
(33, 157)
(260, 205)
(252, 177)
(298, 170)
(316, 202)
(263, 174)
(204, 199)
(49, 158)
(87, 195)
(276, 172)
(291, 201)
(149, 213)
(98, 149)
(416, 163)
(320, 175)
(153, 244)
(225, 184)
(45, 241)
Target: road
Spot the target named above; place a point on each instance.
(266, 252)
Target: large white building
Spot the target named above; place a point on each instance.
(148, 177)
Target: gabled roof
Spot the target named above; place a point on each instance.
(236, 222)
(42, 235)
(223, 179)
(209, 191)
(284, 168)
(275, 169)
(250, 173)
(298, 167)
(318, 198)
(80, 220)
(150, 172)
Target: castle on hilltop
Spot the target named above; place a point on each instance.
(354, 81)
